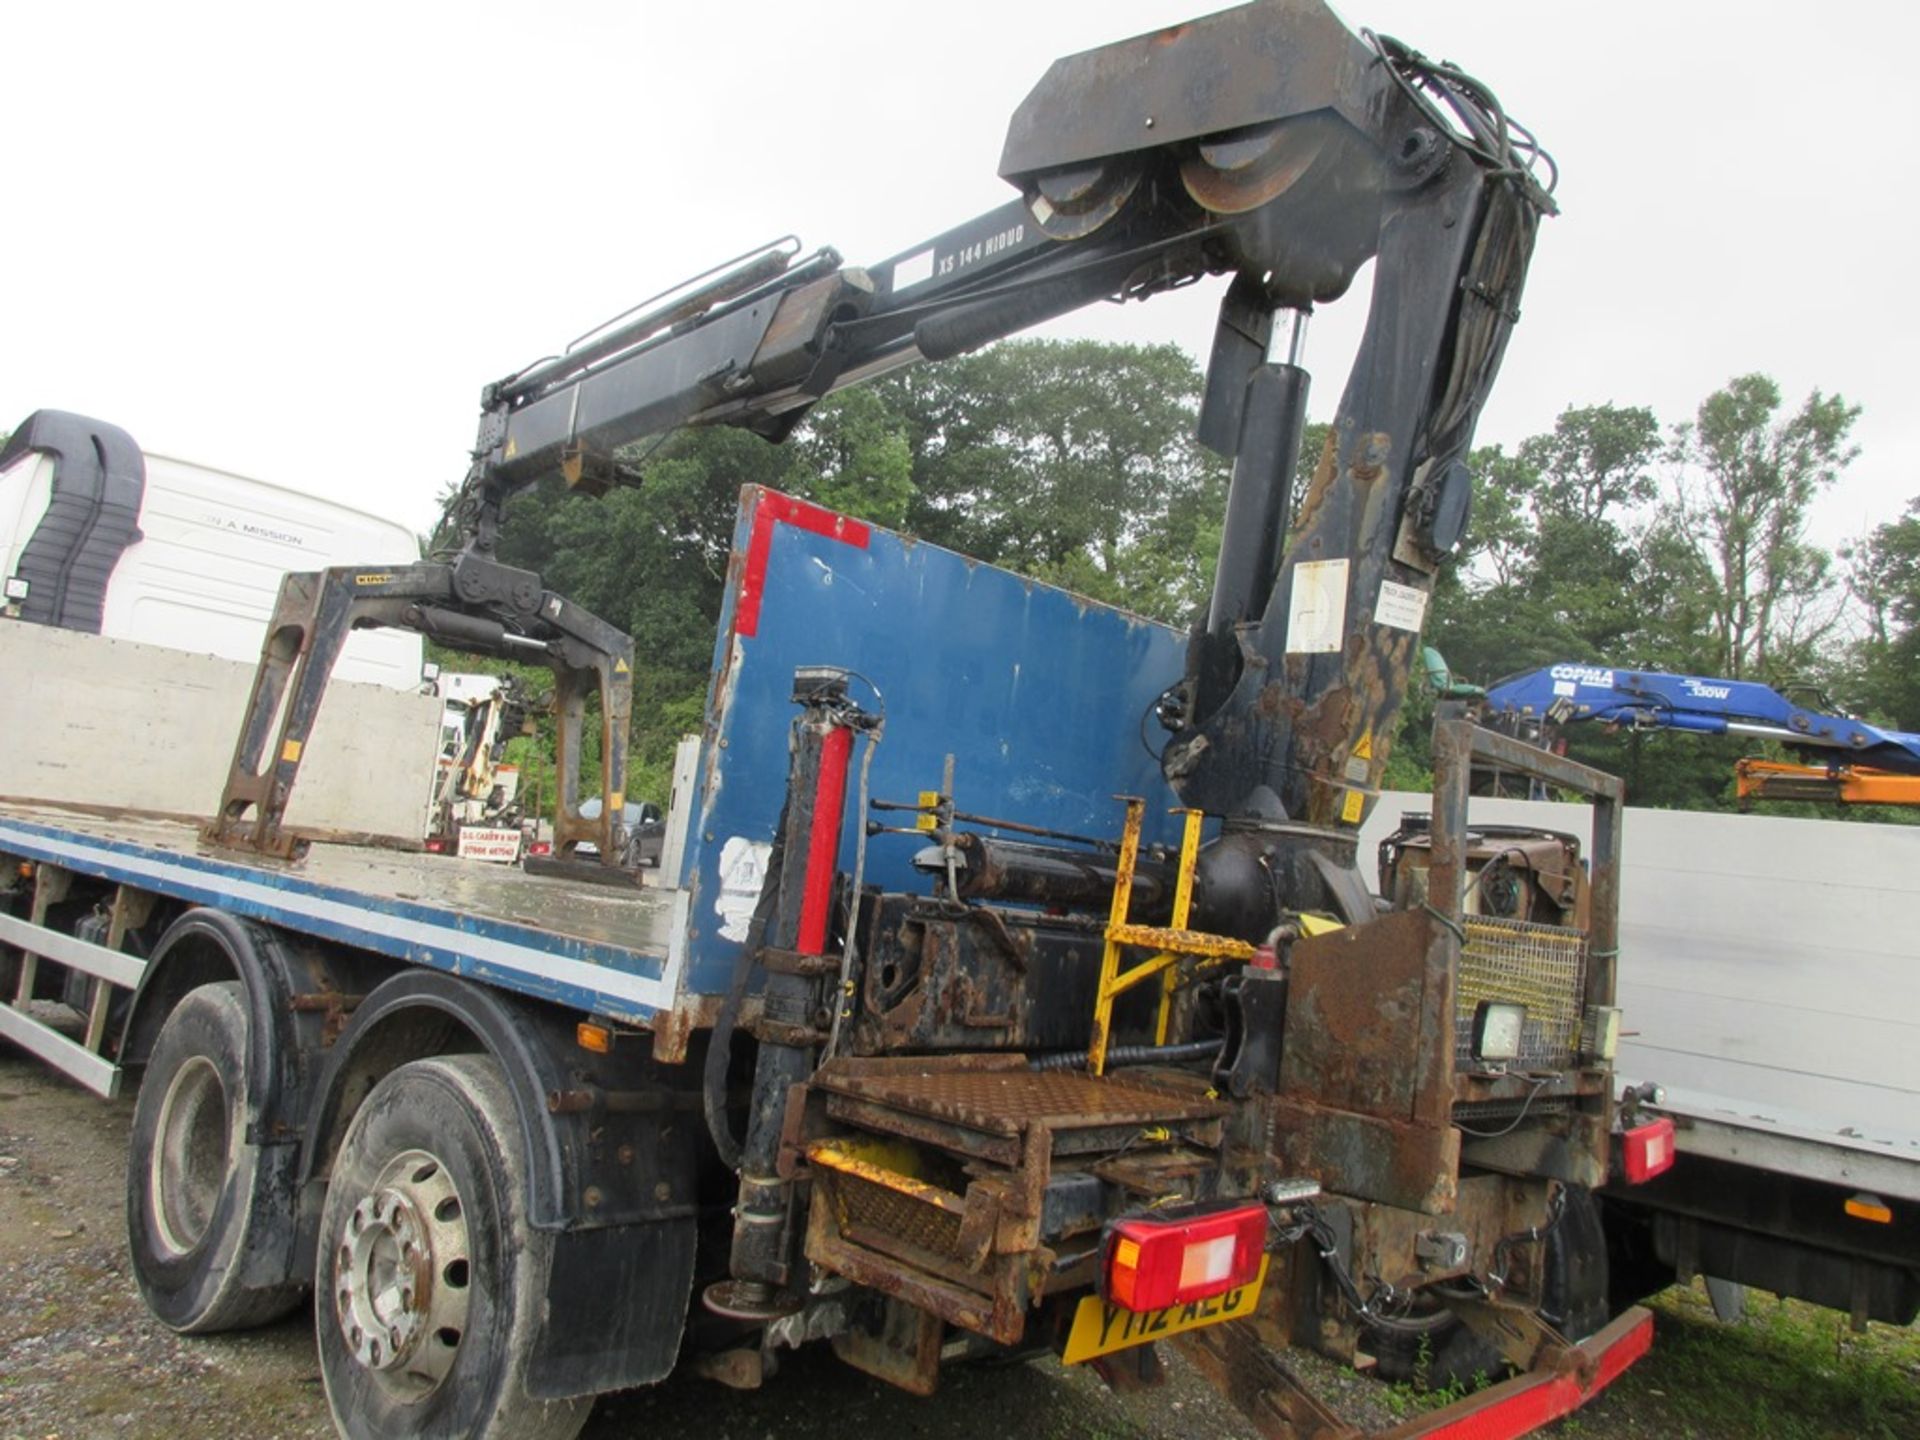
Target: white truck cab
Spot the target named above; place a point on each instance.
(96, 536)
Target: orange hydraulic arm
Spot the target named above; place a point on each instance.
(1839, 784)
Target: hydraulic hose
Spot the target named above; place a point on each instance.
(1130, 1055)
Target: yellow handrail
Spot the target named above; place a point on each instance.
(1170, 943)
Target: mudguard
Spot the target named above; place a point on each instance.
(611, 1165)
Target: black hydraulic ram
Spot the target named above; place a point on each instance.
(995, 868)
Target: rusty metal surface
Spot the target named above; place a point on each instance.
(1255, 1378)
(673, 1029)
(1486, 1210)
(993, 1305)
(1154, 1173)
(1603, 897)
(900, 1344)
(1116, 920)
(935, 980)
(869, 1194)
(1355, 996)
(1006, 1102)
(1185, 942)
(1395, 1162)
(947, 1212)
(1571, 1147)
(865, 1115)
(1508, 753)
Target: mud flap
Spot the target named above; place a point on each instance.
(618, 1299)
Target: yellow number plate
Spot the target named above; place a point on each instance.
(1100, 1327)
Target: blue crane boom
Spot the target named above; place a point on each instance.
(1654, 700)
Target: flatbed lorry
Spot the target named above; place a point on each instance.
(593, 1003)
(964, 1025)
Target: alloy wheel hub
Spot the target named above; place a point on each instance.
(400, 1275)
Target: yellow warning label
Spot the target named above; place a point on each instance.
(929, 802)
(290, 752)
(1364, 750)
(620, 667)
(513, 449)
(619, 801)
(372, 578)
(1351, 807)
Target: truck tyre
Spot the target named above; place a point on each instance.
(1446, 1354)
(429, 1284)
(202, 1199)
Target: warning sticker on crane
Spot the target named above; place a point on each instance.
(1401, 606)
(1359, 768)
(1317, 613)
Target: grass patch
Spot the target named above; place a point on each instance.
(1788, 1371)
(1406, 1398)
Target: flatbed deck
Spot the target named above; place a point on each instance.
(613, 951)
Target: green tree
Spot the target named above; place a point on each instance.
(651, 559)
(1570, 557)
(1074, 461)
(1748, 476)
(1597, 462)
(851, 454)
(1884, 575)
(1552, 567)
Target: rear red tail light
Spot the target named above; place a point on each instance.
(1647, 1150)
(435, 845)
(1151, 1264)
(540, 847)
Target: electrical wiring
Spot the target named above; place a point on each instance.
(1490, 134)
(1540, 1082)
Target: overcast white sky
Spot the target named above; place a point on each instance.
(294, 241)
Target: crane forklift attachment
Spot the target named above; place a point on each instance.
(473, 604)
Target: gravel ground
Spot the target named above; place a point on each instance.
(80, 1357)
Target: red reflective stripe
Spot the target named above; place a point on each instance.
(1619, 1357)
(772, 507)
(823, 841)
(1537, 1398)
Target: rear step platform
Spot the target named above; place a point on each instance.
(988, 1106)
(952, 1181)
